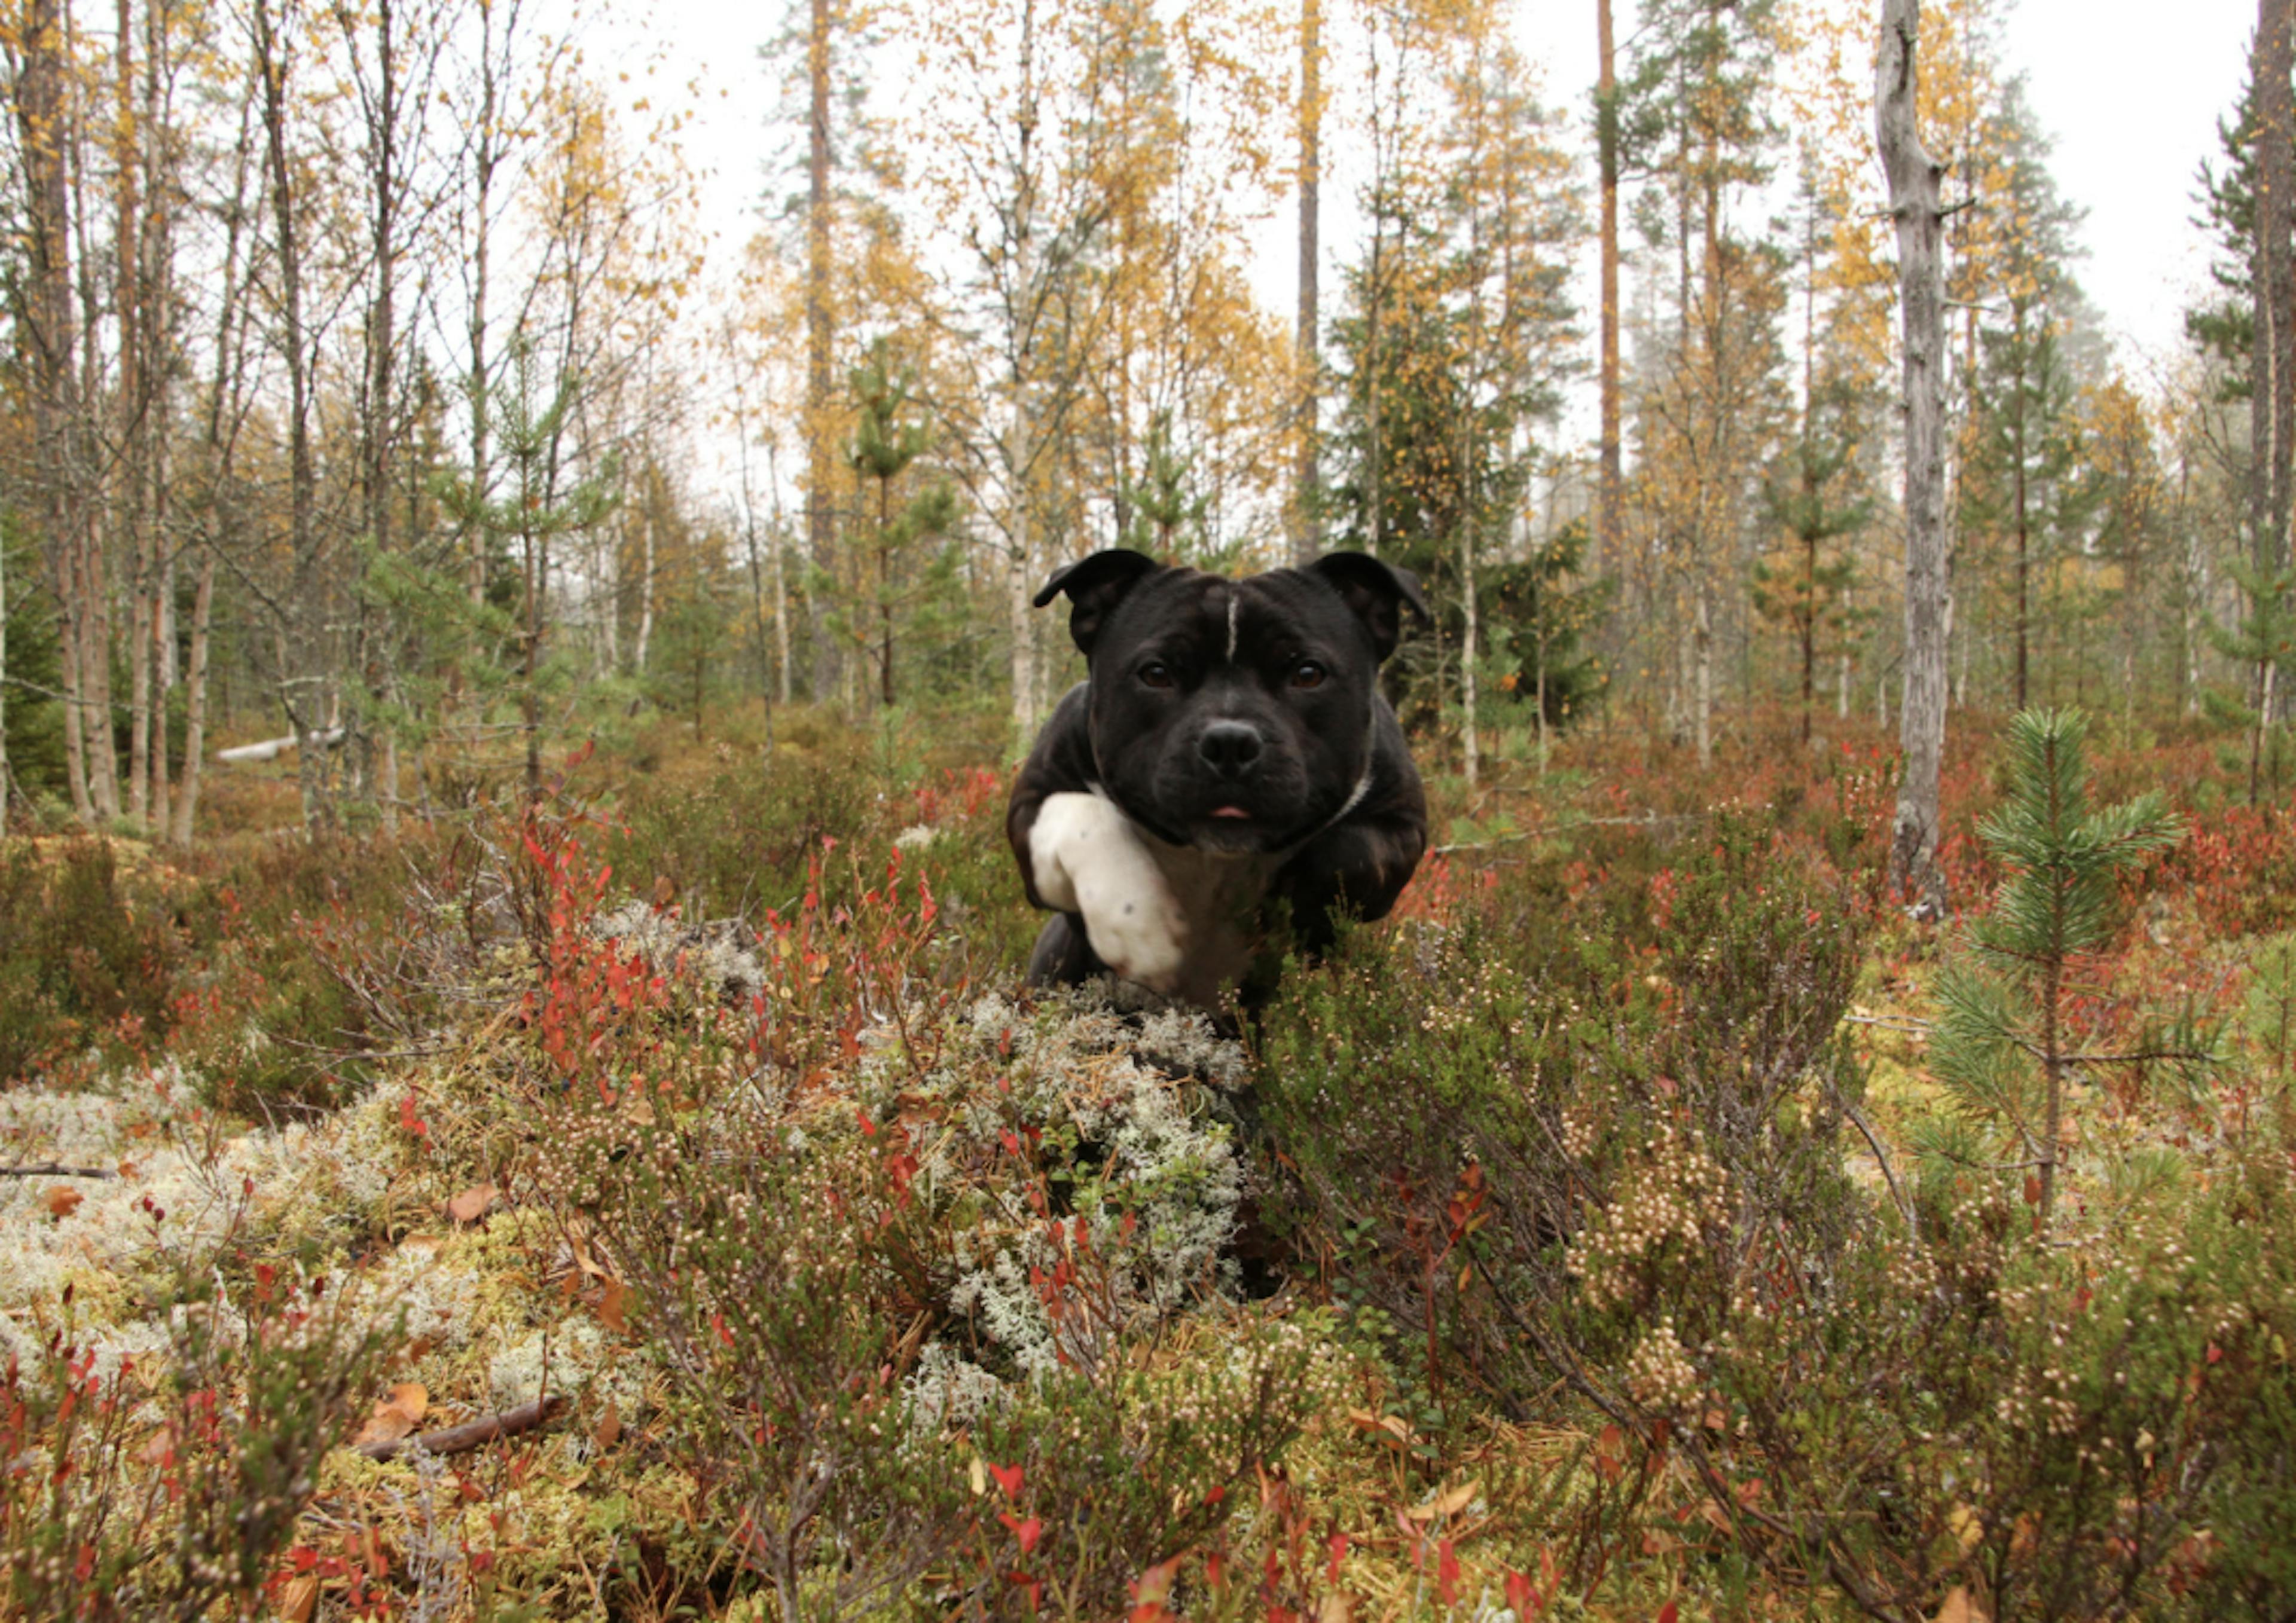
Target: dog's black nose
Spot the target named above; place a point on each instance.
(1230, 748)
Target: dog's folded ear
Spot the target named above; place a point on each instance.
(1377, 592)
(1095, 586)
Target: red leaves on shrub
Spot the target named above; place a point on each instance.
(1447, 1574)
(1008, 1478)
(1150, 1590)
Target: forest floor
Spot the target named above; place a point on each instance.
(1594, 1238)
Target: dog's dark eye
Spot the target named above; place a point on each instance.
(1307, 673)
(1156, 674)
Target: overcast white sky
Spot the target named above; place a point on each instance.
(2130, 90)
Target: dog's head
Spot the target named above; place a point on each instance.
(1233, 715)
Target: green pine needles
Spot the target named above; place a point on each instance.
(2001, 1045)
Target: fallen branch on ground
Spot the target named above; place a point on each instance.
(472, 1433)
(54, 1169)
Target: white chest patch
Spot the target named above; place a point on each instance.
(1175, 919)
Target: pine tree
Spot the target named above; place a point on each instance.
(1537, 618)
(2026, 482)
(1165, 515)
(2262, 640)
(2001, 1046)
(532, 512)
(2225, 326)
(886, 440)
(1808, 503)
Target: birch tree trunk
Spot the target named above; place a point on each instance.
(1468, 642)
(93, 600)
(195, 705)
(157, 300)
(1307, 532)
(645, 590)
(1022, 577)
(1915, 181)
(1702, 675)
(132, 428)
(302, 677)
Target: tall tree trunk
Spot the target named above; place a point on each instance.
(1713, 494)
(221, 439)
(95, 599)
(820, 520)
(2275, 384)
(1610, 505)
(381, 427)
(195, 704)
(2023, 521)
(1702, 653)
(1021, 582)
(4, 780)
(1307, 521)
(1469, 639)
(48, 331)
(1915, 181)
(646, 588)
(303, 673)
(487, 152)
(1020, 591)
(1808, 626)
(155, 299)
(775, 567)
(133, 423)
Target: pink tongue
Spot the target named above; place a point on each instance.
(1230, 811)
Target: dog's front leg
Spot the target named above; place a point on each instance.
(1086, 857)
(1360, 867)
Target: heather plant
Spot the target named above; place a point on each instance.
(88, 956)
(1516, 1133)
(2004, 1040)
(166, 1488)
(2059, 1432)
(878, 1242)
(739, 839)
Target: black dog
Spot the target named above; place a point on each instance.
(1229, 751)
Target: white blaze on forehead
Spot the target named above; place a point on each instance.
(1234, 611)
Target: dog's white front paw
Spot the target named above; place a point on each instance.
(1090, 859)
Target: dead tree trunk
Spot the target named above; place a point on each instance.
(1915, 181)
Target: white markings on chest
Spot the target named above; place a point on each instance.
(1175, 919)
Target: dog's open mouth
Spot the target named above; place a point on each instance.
(1231, 811)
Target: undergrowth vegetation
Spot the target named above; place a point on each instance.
(1594, 1238)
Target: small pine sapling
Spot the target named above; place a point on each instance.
(885, 442)
(2261, 641)
(2001, 1046)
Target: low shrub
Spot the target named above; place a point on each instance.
(1628, 1195)
(175, 1491)
(89, 955)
